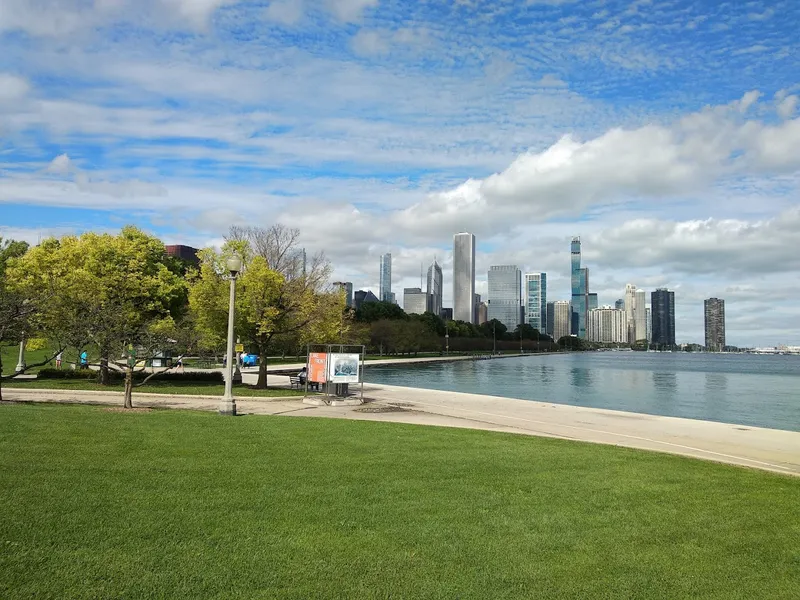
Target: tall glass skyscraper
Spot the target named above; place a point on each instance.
(535, 300)
(551, 319)
(580, 290)
(505, 292)
(662, 303)
(435, 288)
(385, 286)
(464, 277)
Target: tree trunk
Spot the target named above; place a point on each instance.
(261, 384)
(129, 388)
(104, 377)
(1, 377)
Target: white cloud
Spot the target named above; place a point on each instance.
(787, 106)
(287, 12)
(370, 42)
(12, 87)
(551, 81)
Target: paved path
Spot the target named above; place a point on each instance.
(768, 449)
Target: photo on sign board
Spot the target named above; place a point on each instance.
(344, 368)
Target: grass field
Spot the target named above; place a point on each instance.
(151, 387)
(176, 504)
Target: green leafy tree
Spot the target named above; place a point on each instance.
(377, 311)
(111, 291)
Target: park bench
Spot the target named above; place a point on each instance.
(294, 382)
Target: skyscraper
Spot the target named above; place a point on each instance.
(562, 316)
(385, 287)
(640, 315)
(505, 292)
(483, 313)
(415, 301)
(551, 318)
(434, 288)
(630, 308)
(534, 305)
(580, 289)
(662, 302)
(649, 325)
(715, 324)
(464, 277)
(347, 287)
(607, 325)
(619, 304)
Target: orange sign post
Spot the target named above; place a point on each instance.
(318, 367)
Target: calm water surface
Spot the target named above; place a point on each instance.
(762, 391)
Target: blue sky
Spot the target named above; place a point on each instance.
(665, 134)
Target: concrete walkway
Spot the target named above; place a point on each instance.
(768, 449)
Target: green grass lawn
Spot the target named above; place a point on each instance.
(10, 356)
(177, 504)
(152, 387)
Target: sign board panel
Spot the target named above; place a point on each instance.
(344, 368)
(317, 364)
(240, 347)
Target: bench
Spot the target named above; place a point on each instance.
(294, 382)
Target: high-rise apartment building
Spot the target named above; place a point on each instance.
(385, 282)
(551, 318)
(434, 288)
(505, 293)
(649, 325)
(607, 325)
(580, 289)
(640, 315)
(347, 288)
(662, 303)
(562, 319)
(415, 301)
(534, 291)
(464, 277)
(483, 313)
(715, 324)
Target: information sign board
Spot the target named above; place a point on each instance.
(317, 367)
(344, 368)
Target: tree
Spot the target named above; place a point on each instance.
(525, 331)
(111, 291)
(432, 322)
(494, 329)
(377, 311)
(273, 309)
(571, 342)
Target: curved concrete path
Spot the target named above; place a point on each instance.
(768, 449)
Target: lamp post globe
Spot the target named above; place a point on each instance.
(228, 404)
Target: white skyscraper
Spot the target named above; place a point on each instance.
(534, 291)
(562, 316)
(640, 316)
(630, 307)
(607, 325)
(505, 295)
(435, 288)
(415, 301)
(464, 277)
(385, 283)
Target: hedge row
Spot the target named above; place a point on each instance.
(194, 376)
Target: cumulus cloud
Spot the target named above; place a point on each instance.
(787, 107)
(551, 81)
(287, 12)
(12, 87)
(349, 11)
(370, 43)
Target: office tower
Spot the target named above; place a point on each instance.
(483, 313)
(505, 293)
(640, 315)
(415, 301)
(649, 325)
(464, 277)
(385, 284)
(592, 298)
(715, 324)
(619, 304)
(535, 301)
(187, 253)
(476, 302)
(580, 289)
(607, 325)
(447, 314)
(662, 302)
(551, 318)
(362, 297)
(630, 311)
(347, 288)
(434, 288)
(562, 317)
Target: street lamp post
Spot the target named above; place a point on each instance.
(228, 404)
(21, 362)
(447, 339)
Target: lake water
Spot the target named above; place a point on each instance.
(762, 391)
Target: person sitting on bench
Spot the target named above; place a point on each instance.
(303, 375)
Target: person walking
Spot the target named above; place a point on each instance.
(59, 356)
(84, 360)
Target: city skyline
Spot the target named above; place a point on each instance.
(674, 172)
